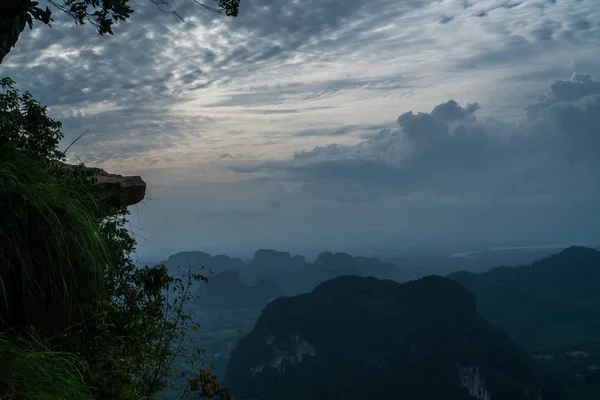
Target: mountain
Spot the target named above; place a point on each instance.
(364, 338)
(271, 264)
(198, 259)
(292, 274)
(435, 262)
(227, 291)
(551, 304)
(329, 265)
(364, 266)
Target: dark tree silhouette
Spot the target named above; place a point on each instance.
(102, 14)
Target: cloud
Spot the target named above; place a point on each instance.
(332, 64)
(362, 131)
(580, 86)
(551, 155)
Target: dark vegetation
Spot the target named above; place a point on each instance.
(68, 286)
(78, 320)
(355, 338)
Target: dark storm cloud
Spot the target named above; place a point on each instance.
(550, 156)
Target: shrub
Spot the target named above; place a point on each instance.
(67, 275)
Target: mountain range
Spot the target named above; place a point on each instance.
(231, 280)
(550, 307)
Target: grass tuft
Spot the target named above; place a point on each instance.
(30, 374)
(52, 258)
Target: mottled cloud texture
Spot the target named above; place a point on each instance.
(291, 125)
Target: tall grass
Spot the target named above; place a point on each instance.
(27, 373)
(52, 258)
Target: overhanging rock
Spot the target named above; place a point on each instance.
(130, 189)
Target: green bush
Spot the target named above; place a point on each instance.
(66, 275)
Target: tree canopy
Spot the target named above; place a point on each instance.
(102, 14)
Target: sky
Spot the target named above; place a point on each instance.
(335, 124)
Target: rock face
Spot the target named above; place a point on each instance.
(364, 338)
(472, 380)
(129, 190)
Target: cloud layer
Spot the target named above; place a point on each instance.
(450, 153)
(290, 71)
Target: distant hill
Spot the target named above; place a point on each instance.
(198, 259)
(364, 338)
(291, 274)
(365, 266)
(435, 263)
(330, 265)
(551, 304)
(227, 291)
(272, 264)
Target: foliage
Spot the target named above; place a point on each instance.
(25, 125)
(67, 272)
(103, 14)
(29, 372)
(51, 255)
